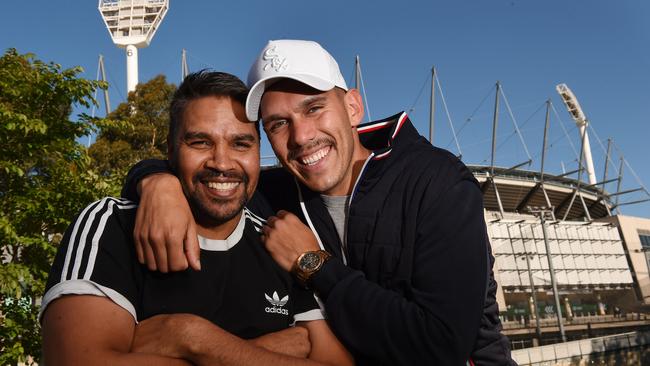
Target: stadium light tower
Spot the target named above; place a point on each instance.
(132, 25)
(580, 119)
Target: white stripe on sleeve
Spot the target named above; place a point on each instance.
(98, 234)
(68, 253)
(83, 287)
(314, 314)
(82, 241)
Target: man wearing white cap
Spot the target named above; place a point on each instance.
(387, 229)
(103, 307)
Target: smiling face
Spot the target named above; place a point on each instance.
(313, 134)
(216, 157)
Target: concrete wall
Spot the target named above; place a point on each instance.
(629, 227)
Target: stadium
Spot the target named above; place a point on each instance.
(569, 265)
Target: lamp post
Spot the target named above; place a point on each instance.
(541, 212)
(538, 330)
(132, 25)
(535, 309)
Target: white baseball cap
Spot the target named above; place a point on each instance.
(303, 61)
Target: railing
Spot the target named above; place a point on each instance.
(109, 3)
(577, 320)
(560, 352)
(116, 3)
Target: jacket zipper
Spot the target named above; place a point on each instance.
(347, 213)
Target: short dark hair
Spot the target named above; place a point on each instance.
(200, 84)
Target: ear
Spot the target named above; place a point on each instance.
(354, 106)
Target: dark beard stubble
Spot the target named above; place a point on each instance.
(203, 213)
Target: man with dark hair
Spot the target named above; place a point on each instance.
(204, 83)
(102, 306)
(386, 229)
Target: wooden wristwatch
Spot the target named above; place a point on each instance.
(309, 263)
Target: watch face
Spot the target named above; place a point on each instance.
(309, 261)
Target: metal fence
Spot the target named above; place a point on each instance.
(564, 353)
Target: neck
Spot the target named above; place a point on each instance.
(212, 230)
(359, 157)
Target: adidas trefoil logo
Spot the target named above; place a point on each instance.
(275, 300)
(277, 304)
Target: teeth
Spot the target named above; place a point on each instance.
(315, 157)
(222, 186)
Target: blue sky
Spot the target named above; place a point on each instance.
(601, 49)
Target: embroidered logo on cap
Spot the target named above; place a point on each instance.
(275, 61)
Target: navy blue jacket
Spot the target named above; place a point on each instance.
(414, 285)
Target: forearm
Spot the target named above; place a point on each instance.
(292, 341)
(139, 171)
(311, 339)
(325, 347)
(92, 330)
(241, 353)
(201, 342)
(228, 350)
(107, 357)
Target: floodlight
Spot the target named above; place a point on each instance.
(572, 105)
(132, 25)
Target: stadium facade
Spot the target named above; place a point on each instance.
(600, 260)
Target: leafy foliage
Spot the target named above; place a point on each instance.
(136, 130)
(44, 180)
(46, 176)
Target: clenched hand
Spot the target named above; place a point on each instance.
(286, 238)
(165, 230)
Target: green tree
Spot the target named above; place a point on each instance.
(134, 131)
(44, 181)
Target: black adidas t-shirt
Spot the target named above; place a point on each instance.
(240, 287)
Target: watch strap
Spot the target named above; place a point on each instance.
(304, 275)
